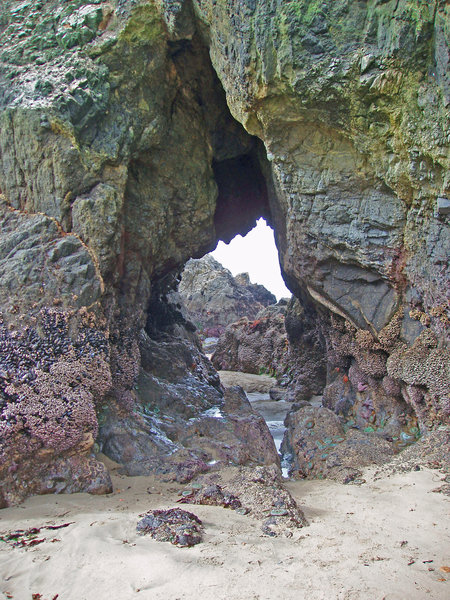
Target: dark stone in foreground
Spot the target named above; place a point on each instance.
(179, 527)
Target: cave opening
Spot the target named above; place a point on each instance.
(238, 301)
(177, 392)
(242, 194)
(220, 184)
(256, 254)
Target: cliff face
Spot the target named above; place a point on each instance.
(214, 298)
(135, 133)
(255, 346)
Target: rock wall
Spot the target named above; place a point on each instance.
(255, 346)
(135, 133)
(214, 298)
(112, 132)
(284, 341)
(351, 100)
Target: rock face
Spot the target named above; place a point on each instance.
(282, 341)
(321, 447)
(214, 298)
(178, 409)
(136, 133)
(255, 346)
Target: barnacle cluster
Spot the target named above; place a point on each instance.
(50, 380)
(390, 372)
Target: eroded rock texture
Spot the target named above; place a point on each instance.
(214, 298)
(255, 346)
(134, 134)
(284, 341)
(321, 447)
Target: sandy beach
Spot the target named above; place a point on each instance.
(386, 539)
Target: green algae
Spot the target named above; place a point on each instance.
(144, 26)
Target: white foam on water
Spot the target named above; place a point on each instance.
(213, 412)
(273, 413)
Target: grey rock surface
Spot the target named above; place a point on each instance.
(135, 134)
(214, 298)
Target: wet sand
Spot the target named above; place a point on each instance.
(250, 383)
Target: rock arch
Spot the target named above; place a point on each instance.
(120, 138)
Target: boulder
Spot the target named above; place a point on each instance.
(282, 341)
(319, 446)
(258, 346)
(255, 491)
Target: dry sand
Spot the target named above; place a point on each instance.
(386, 539)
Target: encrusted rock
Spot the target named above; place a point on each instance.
(283, 341)
(319, 446)
(261, 494)
(254, 346)
(211, 495)
(179, 527)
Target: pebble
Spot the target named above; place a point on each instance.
(278, 512)
(242, 511)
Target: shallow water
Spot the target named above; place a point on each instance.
(274, 413)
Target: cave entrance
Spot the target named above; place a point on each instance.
(255, 254)
(238, 281)
(173, 415)
(237, 299)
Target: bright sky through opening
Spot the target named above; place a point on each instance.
(255, 254)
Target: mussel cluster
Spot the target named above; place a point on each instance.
(31, 349)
